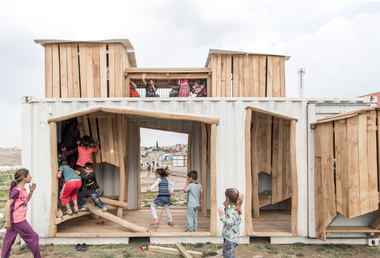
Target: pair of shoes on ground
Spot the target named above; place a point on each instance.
(142, 248)
(156, 222)
(71, 213)
(101, 223)
(81, 247)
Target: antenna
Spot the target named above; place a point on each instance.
(301, 75)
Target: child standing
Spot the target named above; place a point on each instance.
(72, 184)
(90, 188)
(231, 220)
(86, 147)
(195, 192)
(15, 215)
(184, 90)
(163, 198)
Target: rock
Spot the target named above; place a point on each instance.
(2, 231)
(1, 215)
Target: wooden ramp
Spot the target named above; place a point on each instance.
(87, 227)
(272, 223)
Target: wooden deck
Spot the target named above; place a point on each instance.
(87, 227)
(272, 223)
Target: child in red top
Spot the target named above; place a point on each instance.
(86, 147)
(15, 215)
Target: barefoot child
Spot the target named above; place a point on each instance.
(231, 220)
(90, 188)
(195, 192)
(72, 183)
(15, 215)
(163, 198)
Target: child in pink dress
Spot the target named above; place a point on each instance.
(86, 147)
(184, 91)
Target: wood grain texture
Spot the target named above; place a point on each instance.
(54, 181)
(213, 183)
(248, 177)
(294, 178)
(63, 70)
(56, 77)
(48, 71)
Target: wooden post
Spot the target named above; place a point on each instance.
(183, 251)
(121, 164)
(255, 140)
(138, 170)
(126, 124)
(203, 162)
(213, 217)
(248, 167)
(54, 180)
(293, 168)
(189, 141)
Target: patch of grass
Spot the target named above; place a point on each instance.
(211, 253)
(297, 246)
(271, 249)
(2, 222)
(24, 249)
(373, 250)
(300, 255)
(320, 249)
(256, 249)
(113, 246)
(127, 255)
(286, 256)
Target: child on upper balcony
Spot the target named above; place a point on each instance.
(150, 89)
(132, 90)
(184, 90)
(86, 147)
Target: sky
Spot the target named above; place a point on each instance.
(337, 42)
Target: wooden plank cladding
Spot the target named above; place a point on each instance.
(351, 140)
(85, 70)
(237, 75)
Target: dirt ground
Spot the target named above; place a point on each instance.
(10, 157)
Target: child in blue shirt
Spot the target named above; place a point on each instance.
(195, 193)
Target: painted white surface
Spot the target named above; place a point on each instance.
(315, 241)
(87, 240)
(230, 150)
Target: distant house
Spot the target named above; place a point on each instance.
(376, 94)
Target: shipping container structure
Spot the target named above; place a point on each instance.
(246, 134)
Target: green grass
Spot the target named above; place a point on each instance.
(300, 255)
(256, 249)
(297, 246)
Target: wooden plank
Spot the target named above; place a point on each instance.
(83, 69)
(96, 69)
(248, 177)
(70, 81)
(63, 70)
(118, 77)
(351, 229)
(228, 87)
(189, 143)
(223, 76)
(263, 74)
(276, 77)
(294, 178)
(213, 88)
(319, 201)
(267, 144)
(372, 162)
(48, 71)
(56, 77)
(271, 113)
(247, 90)
(90, 72)
(203, 161)
(76, 72)
(208, 145)
(363, 163)
(94, 135)
(286, 160)
(73, 216)
(116, 132)
(103, 136)
(280, 177)
(219, 68)
(138, 169)
(251, 77)
(74, 115)
(270, 76)
(126, 140)
(255, 165)
(256, 76)
(110, 141)
(258, 142)
(213, 193)
(166, 250)
(182, 250)
(282, 77)
(341, 167)
(122, 186)
(111, 70)
(275, 168)
(235, 76)
(353, 167)
(241, 76)
(54, 180)
(103, 70)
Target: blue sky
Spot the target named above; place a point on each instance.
(336, 41)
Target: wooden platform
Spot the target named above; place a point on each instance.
(87, 227)
(272, 223)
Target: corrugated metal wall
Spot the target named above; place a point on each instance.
(230, 150)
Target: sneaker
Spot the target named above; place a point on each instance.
(83, 209)
(104, 209)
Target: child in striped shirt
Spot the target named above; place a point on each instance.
(163, 198)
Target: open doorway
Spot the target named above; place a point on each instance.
(160, 149)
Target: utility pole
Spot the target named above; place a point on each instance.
(301, 84)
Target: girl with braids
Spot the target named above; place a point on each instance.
(15, 215)
(231, 220)
(163, 198)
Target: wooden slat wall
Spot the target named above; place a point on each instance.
(252, 76)
(64, 67)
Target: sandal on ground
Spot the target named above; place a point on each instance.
(84, 247)
(142, 248)
(155, 222)
(76, 211)
(69, 214)
(171, 223)
(101, 223)
(78, 247)
(83, 209)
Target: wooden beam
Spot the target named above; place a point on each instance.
(74, 115)
(56, 77)
(355, 112)
(48, 71)
(167, 76)
(54, 180)
(67, 217)
(294, 178)
(182, 250)
(123, 205)
(189, 141)
(213, 216)
(351, 229)
(121, 165)
(203, 161)
(255, 140)
(167, 70)
(248, 177)
(271, 113)
(138, 169)
(313, 125)
(126, 122)
(166, 250)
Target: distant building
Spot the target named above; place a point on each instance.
(376, 94)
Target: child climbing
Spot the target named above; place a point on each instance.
(63, 153)
(86, 147)
(163, 198)
(195, 192)
(72, 184)
(90, 188)
(15, 215)
(231, 220)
